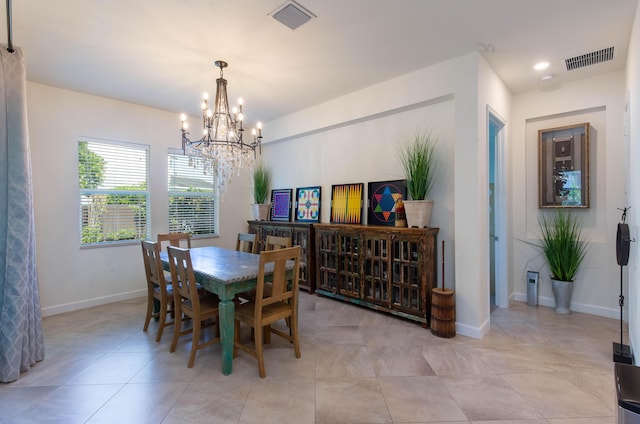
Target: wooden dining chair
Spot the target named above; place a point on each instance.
(267, 309)
(157, 288)
(277, 242)
(189, 302)
(273, 243)
(247, 243)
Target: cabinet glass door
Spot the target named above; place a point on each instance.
(327, 251)
(406, 278)
(376, 270)
(349, 265)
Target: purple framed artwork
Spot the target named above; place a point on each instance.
(308, 204)
(382, 199)
(281, 204)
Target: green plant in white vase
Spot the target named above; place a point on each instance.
(261, 184)
(418, 155)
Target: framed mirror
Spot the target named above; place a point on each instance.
(563, 167)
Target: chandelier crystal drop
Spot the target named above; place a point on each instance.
(221, 150)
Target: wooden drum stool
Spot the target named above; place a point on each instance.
(443, 312)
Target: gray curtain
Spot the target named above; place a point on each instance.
(21, 337)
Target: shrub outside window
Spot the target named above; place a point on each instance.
(113, 180)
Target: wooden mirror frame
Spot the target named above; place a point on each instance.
(563, 166)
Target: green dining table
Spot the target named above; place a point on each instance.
(226, 273)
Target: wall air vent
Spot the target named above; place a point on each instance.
(589, 59)
(292, 14)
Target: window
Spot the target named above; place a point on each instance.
(193, 198)
(114, 198)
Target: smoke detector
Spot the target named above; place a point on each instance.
(589, 59)
(292, 14)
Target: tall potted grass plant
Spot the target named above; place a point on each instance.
(564, 250)
(261, 183)
(418, 155)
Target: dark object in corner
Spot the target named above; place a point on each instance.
(622, 353)
(627, 380)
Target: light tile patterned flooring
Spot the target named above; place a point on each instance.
(357, 366)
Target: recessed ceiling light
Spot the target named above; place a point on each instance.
(540, 66)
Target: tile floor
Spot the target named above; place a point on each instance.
(357, 366)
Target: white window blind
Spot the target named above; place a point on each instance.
(193, 198)
(114, 198)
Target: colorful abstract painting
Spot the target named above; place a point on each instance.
(308, 204)
(383, 196)
(346, 203)
(281, 204)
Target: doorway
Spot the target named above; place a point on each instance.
(497, 213)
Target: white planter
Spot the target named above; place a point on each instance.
(418, 212)
(260, 211)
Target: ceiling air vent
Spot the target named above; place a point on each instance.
(589, 59)
(292, 14)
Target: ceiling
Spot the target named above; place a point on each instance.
(160, 53)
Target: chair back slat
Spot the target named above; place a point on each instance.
(247, 243)
(277, 242)
(175, 239)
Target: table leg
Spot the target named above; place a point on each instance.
(226, 313)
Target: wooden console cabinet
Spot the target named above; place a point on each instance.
(301, 234)
(389, 269)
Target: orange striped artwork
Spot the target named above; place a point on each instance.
(346, 203)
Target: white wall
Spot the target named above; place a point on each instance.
(599, 101)
(632, 123)
(72, 278)
(366, 150)
(354, 138)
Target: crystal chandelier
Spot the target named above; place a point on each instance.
(221, 149)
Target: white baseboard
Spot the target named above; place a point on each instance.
(474, 332)
(480, 332)
(88, 303)
(577, 307)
